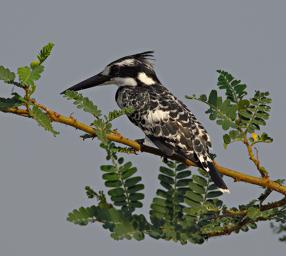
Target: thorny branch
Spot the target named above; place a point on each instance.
(117, 137)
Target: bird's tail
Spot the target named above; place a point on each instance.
(216, 177)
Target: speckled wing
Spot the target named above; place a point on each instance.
(171, 122)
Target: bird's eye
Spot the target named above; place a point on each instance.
(115, 70)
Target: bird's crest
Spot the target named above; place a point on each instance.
(146, 58)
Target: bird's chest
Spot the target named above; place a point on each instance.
(151, 107)
(137, 98)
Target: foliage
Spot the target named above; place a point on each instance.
(45, 52)
(27, 76)
(6, 75)
(242, 116)
(6, 103)
(82, 103)
(187, 207)
(42, 119)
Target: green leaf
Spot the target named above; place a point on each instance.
(183, 174)
(36, 72)
(107, 168)
(132, 181)
(113, 183)
(6, 103)
(223, 111)
(167, 171)
(197, 188)
(121, 226)
(191, 202)
(183, 182)
(6, 75)
(136, 196)
(116, 192)
(166, 179)
(83, 216)
(129, 172)
(181, 167)
(90, 192)
(200, 180)
(256, 112)
(110, 176)
(234, 89)
(213, 98)
(43, 120)
(24, 74)
(214, 194)
(28, 76)
(135, 188)
(83, 103)
(45, 52)
(226, 139)
(118, 113)
(194, 196)
(253, 213)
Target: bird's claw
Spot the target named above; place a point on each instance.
(140, 141)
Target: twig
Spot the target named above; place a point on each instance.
(255, 160)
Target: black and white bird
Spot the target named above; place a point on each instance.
(164, 119)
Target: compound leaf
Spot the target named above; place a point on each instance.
(43, 120)
(234, 89)
(45, 52)
(83, 103)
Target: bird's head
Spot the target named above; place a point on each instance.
(132, 70)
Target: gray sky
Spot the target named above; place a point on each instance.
(42, 178)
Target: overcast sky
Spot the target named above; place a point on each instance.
(42, 178)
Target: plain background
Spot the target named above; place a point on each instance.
(42, 178)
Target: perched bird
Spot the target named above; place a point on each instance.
(164, 119)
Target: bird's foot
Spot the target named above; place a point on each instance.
(165, 159)
(141, 142)
(87, 136)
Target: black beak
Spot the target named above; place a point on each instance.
(96, 80)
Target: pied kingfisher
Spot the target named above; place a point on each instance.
(164, 119)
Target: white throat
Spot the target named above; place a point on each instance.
(124, 81)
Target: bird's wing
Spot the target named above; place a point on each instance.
(173, 128)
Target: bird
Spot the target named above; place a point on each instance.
(166, 121)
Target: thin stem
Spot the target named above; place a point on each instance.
(254, 159)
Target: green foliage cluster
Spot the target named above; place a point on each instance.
(235, 113)
(27, 76)
(187, 207)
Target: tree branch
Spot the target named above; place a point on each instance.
(234, 228)
(116, 137)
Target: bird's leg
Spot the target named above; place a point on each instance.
(146, 142)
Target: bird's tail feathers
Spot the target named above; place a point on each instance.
(216, 177)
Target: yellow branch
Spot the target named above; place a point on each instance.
(116, 137)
